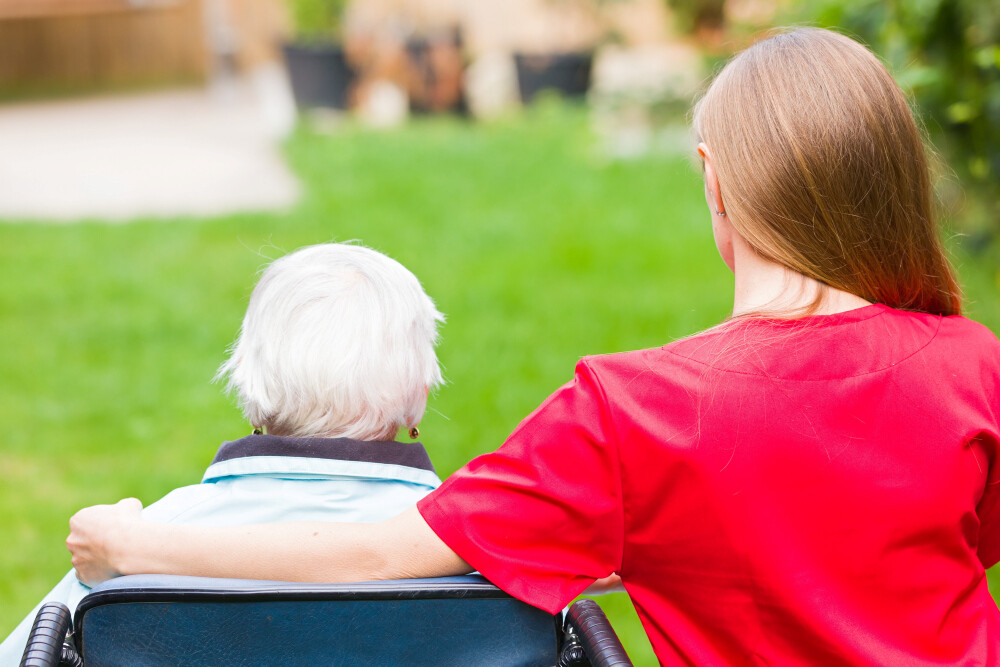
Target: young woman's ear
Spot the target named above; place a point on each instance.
(722, 230)
(713, 193)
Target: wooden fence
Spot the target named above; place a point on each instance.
(53, 45)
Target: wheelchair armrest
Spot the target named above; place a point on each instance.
(47, 645)
(600, 643)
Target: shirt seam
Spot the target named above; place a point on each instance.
(186, 510)
(824, 379)
(606, 404)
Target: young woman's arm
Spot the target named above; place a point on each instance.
(111, 540)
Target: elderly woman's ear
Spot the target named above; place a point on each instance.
(414, 431)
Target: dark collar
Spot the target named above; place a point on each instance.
(410, 454)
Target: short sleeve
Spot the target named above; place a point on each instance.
(542, 517)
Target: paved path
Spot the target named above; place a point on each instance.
(187, 153)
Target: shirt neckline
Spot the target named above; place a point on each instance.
(408, 454)
(858, 314)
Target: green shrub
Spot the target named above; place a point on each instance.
(947, 54)
(693, 15)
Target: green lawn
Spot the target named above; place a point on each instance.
(537, 250)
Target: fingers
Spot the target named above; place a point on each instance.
(93, 530)
(131, 505)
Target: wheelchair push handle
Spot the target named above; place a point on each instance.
(596, 636)
(45, 647)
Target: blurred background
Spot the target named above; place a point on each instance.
(529, 160)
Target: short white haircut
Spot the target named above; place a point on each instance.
(338, 341)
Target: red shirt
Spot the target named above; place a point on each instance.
(824, 491)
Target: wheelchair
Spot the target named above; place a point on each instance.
(173, 620)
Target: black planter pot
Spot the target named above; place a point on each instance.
(436, 74)
(319, 74)
(565, 73)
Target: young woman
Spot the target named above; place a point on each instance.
(815, 481)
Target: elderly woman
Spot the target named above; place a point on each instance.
(335, 356)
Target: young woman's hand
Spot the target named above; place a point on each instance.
(609, 584)
(97, 536)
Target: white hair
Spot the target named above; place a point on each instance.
(338, 341)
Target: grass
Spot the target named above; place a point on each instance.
(537, 250)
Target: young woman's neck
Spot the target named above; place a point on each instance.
(762, 286)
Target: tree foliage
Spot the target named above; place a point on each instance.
(695, 15)
(947, 54)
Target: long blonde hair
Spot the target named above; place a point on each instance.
(823, 169)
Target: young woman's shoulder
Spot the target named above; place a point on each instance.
(974, 332)
(972, 347)
(858, 342)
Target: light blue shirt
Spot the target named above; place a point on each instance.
(269, 479)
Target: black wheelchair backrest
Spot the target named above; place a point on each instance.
(168, 620)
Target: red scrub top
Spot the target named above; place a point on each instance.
(821, 491)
